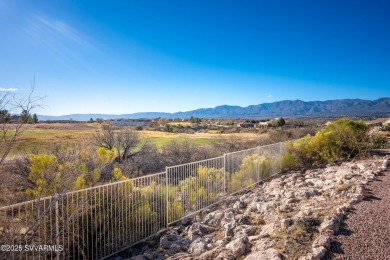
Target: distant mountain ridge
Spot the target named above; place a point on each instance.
(286, 108)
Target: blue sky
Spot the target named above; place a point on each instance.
(117, 57)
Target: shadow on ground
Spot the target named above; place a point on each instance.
(336, 247)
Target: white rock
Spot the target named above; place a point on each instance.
(269, 254)
(198, 246)
(214, 218)
(371, 176)
(245, 229)
(329, 224)
(322, 240)
(267, 230)
(318, 253)
(238, 247)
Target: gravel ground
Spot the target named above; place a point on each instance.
(365, 233)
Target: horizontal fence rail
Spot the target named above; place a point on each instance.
(98, 222)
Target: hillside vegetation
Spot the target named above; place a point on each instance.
(342, 140)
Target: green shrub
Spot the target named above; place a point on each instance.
(343, 139)
(248, 174)
(51, 174)
(380, 142)
(43, 173)
(291, 162)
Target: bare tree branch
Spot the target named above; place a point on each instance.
(11, 129)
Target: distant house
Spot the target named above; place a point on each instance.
(263, 125)
(246, 125)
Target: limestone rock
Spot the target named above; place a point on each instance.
(318, 253)
(263, 244)
(213, 219)
(322, 240)
(269, 254)
(198, 246)
(329, 224)
(267, 230)
(215, 253)
(238, 246)
(244, 230)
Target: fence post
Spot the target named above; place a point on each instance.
(167, 190)
(56, 196)
(224, 173)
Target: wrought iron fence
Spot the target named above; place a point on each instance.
(97, 222)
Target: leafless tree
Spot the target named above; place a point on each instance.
(148, 159)
(11, 127)
(121, 141)
(126, 140)
(105, 137)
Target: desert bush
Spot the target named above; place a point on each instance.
(380, 142)
(343, 139)
(43, 173)
(291, 162)
(279, 135)
(148, 160)
(310, 224)
(203, 188)
(248, 174)
(300, 132)
(298, 154)
(346, 139)
(118, 175)
(179, 152)
(385, 128)
(175, 205)
(230, 144)
(53, 175)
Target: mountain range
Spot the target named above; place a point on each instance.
(286, 108)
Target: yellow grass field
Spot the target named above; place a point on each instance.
(43, 135)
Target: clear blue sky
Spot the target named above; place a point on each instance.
(167, 56)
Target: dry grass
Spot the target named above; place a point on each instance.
(33, 139)
(44, 135)
(180, 123)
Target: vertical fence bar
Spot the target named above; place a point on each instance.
(56, 196)
(167, 196)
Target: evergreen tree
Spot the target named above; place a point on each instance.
(280, 122)
(5, 116)
(35, 118)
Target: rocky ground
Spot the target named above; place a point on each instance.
(293, 216)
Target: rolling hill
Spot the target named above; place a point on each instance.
(286, 108)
